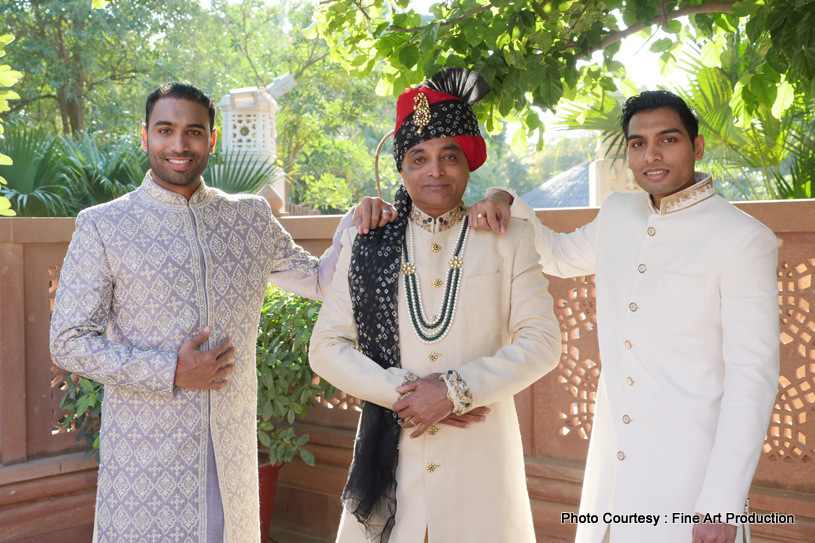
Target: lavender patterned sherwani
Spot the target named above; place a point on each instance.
(143, 274)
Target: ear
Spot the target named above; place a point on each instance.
(699, 147)
(212, 140)
(143, 137)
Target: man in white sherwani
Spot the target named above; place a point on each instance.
(159, 299)
(687, 317)
(455, 322)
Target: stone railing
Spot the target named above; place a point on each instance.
(45, 487)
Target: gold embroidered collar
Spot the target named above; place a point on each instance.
(440, 224)
(164, 196)
(702, 189)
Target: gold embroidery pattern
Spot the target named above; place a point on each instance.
(440, 224)
(458, 392)
(409, 376)
(688, 197)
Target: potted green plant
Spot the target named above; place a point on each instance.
(287, 387)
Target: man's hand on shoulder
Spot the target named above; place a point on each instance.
(713, 532)
(492, 212)
(373, 213)
(204, 370)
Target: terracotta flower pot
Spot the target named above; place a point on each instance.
(267, 477)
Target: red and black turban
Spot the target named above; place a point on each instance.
(442, 107)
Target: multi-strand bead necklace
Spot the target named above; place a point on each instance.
(433, 330)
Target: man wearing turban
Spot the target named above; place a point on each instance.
(434, 326)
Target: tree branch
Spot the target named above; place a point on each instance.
(310, 62)
(120, 76)
(663, 13)
(707, 7)
(362, 9)
(572, 27)
(19, 104)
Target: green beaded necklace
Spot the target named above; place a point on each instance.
(433, 330)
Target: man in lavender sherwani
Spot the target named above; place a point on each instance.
(159, 300)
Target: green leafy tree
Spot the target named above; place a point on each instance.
(82, 64)
(329, 124)
(8, 77)
(531, 51)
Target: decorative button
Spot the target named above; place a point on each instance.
(435, 247)
(626, 419)
(620, 456)
(632, 306)
(431, 467)
(651, 231)
(437, 283)
(432, 430)
(433, 356)
(629, 381)
(641, 268)
(628, 344)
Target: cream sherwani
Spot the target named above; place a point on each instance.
(687, 317)
(461, 485)
(143, 274)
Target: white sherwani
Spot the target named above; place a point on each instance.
(143, 274)
(461, 485)
(687, 314)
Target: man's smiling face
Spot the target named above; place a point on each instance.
(435, 175)
(178, 142)
(661, 155)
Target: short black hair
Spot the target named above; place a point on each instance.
(648, 100)
(179, 91)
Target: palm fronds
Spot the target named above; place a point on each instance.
(104, 171)
(238, 172)
(37, 185)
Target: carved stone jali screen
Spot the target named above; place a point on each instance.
(790, 442)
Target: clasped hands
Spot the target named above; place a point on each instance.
(426, 403)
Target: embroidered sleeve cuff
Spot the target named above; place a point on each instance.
(409, 376)
(457, 392)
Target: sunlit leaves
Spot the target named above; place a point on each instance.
(784, 98)
(661, 45)
(8, 77)
(506, 41)
(712, 52)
